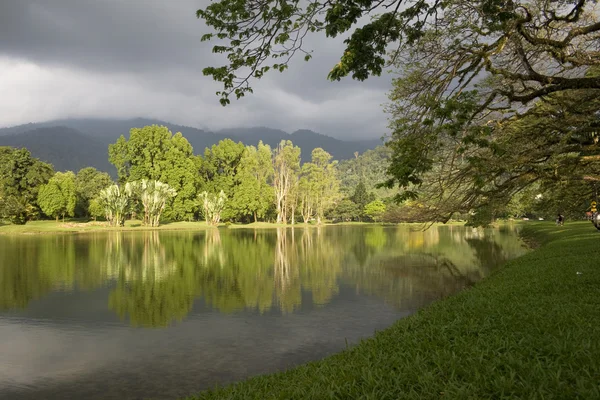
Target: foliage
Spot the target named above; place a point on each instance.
(370, 168)
(219, 170)
(515, 31)
(522, 108)
(375, 210)
(88, 184)
(154, 153)
(254, 194)
(213, 206)
(95, 209)
(361, 198)
(409, 211)
(286, 165)
(346, 210)
(491, 96)
(21, 177)
(154, 196)
(116, 202)
(322, 185)
(59, 197)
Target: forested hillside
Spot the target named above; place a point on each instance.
(64, 148)
(99, 133)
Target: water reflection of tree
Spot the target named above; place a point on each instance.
(154, 287)
(418, 266)
(31, 271)
(285, 271)
(157, 275)
(270, 270)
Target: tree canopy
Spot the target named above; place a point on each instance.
(59, 196)
(21, 177)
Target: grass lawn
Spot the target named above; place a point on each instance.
(73, 226)
(34, 227)
(529, 331)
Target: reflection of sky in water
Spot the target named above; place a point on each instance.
(236, 303)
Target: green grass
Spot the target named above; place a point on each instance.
(74, 226)
(529, 331)
(37, 227)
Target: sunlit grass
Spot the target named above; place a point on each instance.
(33, 227)
(529, 331)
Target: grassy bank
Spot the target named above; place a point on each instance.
(531, 330)
(37, 227)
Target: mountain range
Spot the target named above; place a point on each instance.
(72, 144)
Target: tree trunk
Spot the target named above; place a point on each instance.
(57, 219)
(255, 219)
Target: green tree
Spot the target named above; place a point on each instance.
(116, 202)
(88, 184)
(370, 168)
(213, 206)
(118, 155)
(153, 196)
(181, 172)
(375, 210)
(21, 177)
(346, 210)
(305, 193)
(219, 170)
(321, 174)
(59, 197)
(154, 153)
(286, 165)
(361, 198)
(95, 209)
(254, 194)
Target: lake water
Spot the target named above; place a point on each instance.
(132, 315)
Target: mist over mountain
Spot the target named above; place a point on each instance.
(65, 148)
(71, 144)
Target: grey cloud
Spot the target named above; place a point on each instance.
(154, 46)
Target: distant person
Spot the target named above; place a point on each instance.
(596, 220)
(560, 220)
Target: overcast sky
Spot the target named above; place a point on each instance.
(144, 58)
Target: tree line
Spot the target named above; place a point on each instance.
(160, 178)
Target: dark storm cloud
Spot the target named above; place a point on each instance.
(127, 52)
(104, 35)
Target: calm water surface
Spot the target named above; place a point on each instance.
(132, 315)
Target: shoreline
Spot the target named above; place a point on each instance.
(528, 330)
(47, 227)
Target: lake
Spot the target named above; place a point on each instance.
(132, 315)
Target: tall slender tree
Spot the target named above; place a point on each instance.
(321, 174)
(286, 163)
